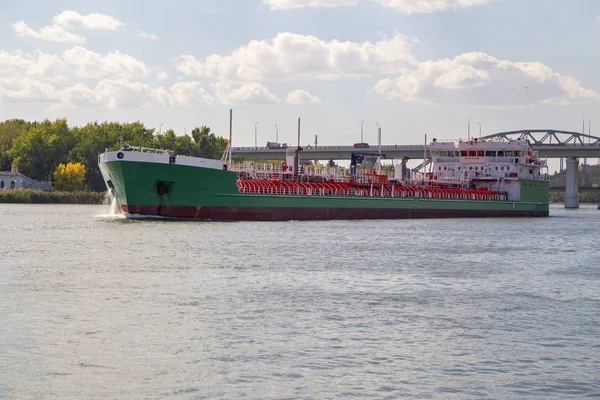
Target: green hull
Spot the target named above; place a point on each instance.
(174, 190)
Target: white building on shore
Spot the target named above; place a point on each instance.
(16, 180)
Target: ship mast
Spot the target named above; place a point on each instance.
(226, 157)
(425, 158)
(297, 157)
(230, 137)
(378, 170)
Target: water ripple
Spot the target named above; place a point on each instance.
(98, 307)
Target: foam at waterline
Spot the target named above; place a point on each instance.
(110, 207)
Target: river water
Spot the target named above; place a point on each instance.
(98, 307)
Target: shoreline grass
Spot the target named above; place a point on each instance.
(28, 196)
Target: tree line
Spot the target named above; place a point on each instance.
(37, 149)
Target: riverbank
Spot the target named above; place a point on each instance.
(27, 196)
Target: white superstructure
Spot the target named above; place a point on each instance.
(497, 165)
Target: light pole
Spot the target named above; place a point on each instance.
(276, 134)
(589, 131)
(362, 125)
(479, 130)
(256, 135)
(160, 128)
(469, 129)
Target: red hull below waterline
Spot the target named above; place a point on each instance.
(289, 213)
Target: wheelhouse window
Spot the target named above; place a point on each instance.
(463, 153)
(472, 153)
(479, 153)
(490, 153)
(500, 153)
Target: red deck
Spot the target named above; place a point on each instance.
(270, 186)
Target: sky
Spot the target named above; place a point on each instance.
(413, 67)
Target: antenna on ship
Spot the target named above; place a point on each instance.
(226, 157)
(298, 150)
(230, 138)
(379, 146)
(425, 157)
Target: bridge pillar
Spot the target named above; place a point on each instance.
(572, 184)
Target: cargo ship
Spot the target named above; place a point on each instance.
(461, 179)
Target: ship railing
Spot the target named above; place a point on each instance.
(283, 167)
(329, 189)
(127, 147)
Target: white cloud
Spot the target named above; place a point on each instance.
(73, 20)
(162, 75)
(481, 80)
(27, 90)
(291, 4)
(67, 21)
(89, 64)
(119, 93)
(403, 6)
(293, 56)
(429, 6)
(37, 64)
(52, 33)
(252, 93)
(190, 66)
(149, 36)
(190, 93)
(298, 97)
(110, 93)
(74, 62)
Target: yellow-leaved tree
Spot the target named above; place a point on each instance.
(70, 176)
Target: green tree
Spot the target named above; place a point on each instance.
(9, 130)
(209, 145)
(165, 141)
(39, 150)
(185, 146)
(136, 134)
(91, 140)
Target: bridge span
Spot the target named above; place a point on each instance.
(401, 151)
(549, 143)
